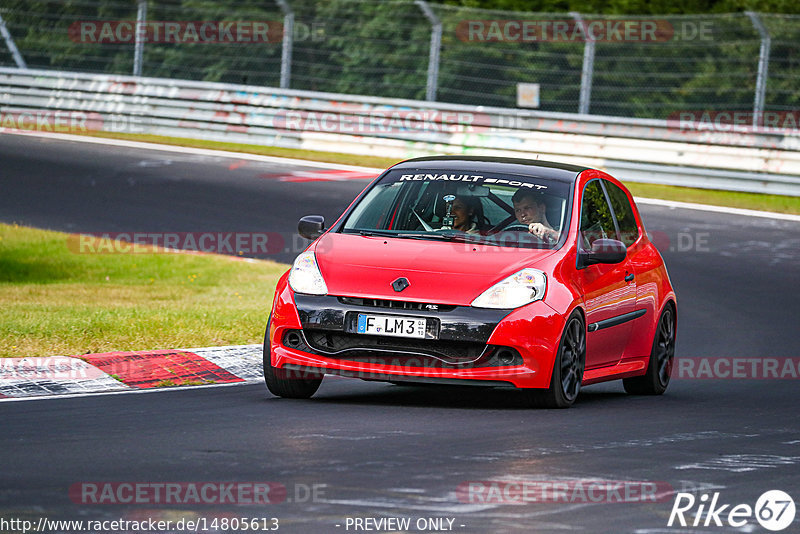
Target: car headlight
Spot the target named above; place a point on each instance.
(305, 276)
(517, 290)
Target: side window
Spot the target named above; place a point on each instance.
(628, 230)
(596, 219)
(365, 215)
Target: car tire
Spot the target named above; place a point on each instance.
(662, 355)
(281, 383)
(565, 382)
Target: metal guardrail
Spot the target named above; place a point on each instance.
(632, 65)
(641, 150)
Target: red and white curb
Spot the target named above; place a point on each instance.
(128, 371)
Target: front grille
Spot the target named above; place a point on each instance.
(396, 304)
(340, 314)
(451, 351)
(400, 351)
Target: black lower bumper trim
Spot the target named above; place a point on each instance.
(400, 351)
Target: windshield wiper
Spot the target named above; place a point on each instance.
(441, 237)
(467, 238)
(434, 236)
(372, 233)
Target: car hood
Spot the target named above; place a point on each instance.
(438, 272)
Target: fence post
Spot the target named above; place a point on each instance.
(763, 66)
(587, 69)
(12, 47)
(286, 50)
(436, 46)
(141, 34)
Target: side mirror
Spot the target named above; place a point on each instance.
(311, 226)
(603, 251)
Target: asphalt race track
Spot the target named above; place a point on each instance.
(361, 450)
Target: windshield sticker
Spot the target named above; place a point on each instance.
(514, 183)
(471, 178)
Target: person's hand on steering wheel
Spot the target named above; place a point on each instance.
(548, 235)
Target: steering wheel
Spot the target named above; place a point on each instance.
(520, 227)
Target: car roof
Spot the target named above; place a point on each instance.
(525, 167)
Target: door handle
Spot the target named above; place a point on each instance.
(629, 277)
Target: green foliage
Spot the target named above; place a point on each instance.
(368, 48)
(634, 7)
(381, 48)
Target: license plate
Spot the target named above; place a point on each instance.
(389, 325)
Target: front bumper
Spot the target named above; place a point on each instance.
(501, 348)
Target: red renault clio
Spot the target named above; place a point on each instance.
(478, 271)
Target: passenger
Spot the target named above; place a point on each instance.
(467, 213)
(530, 210)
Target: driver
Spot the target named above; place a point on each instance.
(467, 214)
(529, 208)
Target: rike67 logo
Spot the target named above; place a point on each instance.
(774, 510)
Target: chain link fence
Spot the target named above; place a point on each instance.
(628, 66)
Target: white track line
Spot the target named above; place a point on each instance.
(338, 166)
(198, 151)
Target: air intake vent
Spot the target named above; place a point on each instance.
(396, 304)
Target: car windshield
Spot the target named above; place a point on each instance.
(491, 208)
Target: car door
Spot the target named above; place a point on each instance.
(609, 289)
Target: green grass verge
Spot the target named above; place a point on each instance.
(56, 301)
(753, 201)
(731, 199)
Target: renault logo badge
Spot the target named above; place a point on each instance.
(400, 284)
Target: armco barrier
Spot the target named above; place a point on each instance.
(639, 150)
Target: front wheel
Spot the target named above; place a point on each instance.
(283, 383)
(659, 368)
(565, 383)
